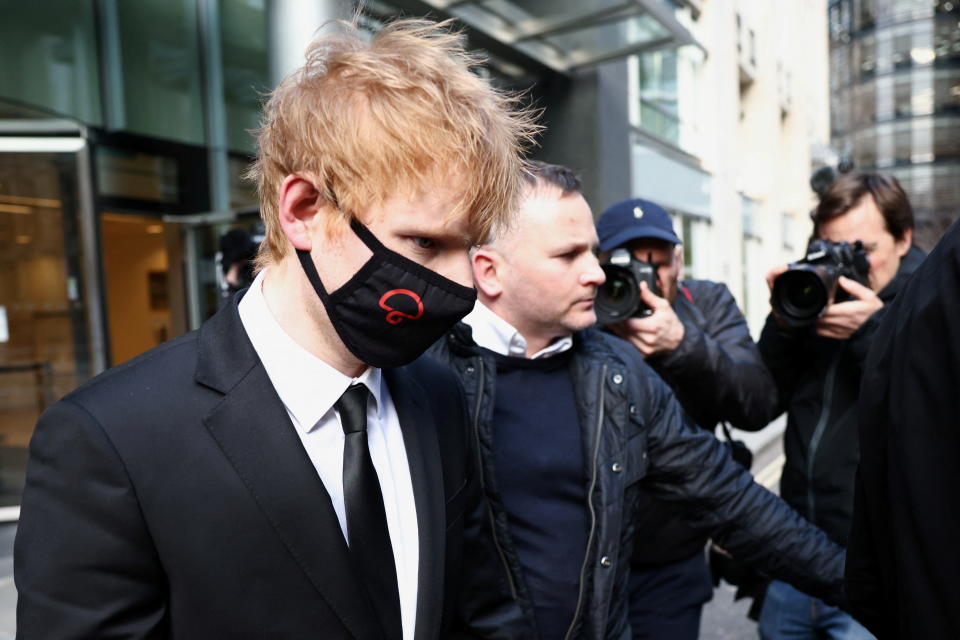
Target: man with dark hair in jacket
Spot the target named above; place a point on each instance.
(570, 422)
(696, 338)
(818, 371)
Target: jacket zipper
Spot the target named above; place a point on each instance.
(593, 512)
(819, 429)
(480, 470)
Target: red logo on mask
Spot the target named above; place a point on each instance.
(394, 316)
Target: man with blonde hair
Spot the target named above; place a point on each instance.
(288, 470)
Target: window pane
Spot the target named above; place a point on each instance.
(43, 336)
(161, 69)
(658, 94)
(49, 55)
(245, 73)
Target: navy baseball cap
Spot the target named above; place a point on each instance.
(634, 219)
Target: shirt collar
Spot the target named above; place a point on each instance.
(307, 386)
(492, 332)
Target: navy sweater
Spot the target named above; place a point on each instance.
(540, 472)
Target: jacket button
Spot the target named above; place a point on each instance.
(605, 562)
(470, 368)
(633, 409)
(617, 379)
(617, 467)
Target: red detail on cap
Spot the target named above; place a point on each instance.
(394, 316)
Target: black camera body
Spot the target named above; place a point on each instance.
(618, 298)
(802, 292)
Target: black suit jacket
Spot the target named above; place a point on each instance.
(171, 497)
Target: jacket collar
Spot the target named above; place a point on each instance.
(226, 354)
(908, 264)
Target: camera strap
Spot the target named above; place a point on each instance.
(738, 448)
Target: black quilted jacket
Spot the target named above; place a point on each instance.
(636, 434)
(717, 375)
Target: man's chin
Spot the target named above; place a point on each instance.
(583, 320)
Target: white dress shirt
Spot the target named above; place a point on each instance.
(492, 332)
(309, 387)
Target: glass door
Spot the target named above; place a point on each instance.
(143, 282)
(44, 338)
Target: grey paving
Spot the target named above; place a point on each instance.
(8, 593)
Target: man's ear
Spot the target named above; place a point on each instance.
(904, 243)
(678, 259)
(300, 202)
(486, 265)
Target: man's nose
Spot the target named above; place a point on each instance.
(594, 275)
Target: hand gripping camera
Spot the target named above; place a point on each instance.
(619, 297)
(801, 293)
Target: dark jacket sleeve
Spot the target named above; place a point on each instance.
(782, 349)
(83, 557)
(693, 470)
(717, 370)
(858, 345)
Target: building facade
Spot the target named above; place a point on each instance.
(125, 131)
(750, 124)
(124, 134)
(895, 99)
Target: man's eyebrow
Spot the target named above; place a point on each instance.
(439, 233)
(575, 245)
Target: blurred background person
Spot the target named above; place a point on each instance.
(904, 560)
(238, 251)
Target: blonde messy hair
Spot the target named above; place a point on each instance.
(363, 120)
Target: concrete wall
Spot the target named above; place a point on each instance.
(753, 139)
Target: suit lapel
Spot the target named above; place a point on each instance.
(423, 455)
(255, 434)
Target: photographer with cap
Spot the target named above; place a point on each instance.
(692, 333)
(817, 362)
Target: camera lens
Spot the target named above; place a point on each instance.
(800, 294)
(618, 297)
(803, 295)
(615, 291)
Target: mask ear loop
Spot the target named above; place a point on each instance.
(366, 236)
(310, 269)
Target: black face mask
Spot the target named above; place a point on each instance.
(392, 309)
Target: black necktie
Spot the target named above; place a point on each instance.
(370, 549)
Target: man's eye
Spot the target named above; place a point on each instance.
(424, 243)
